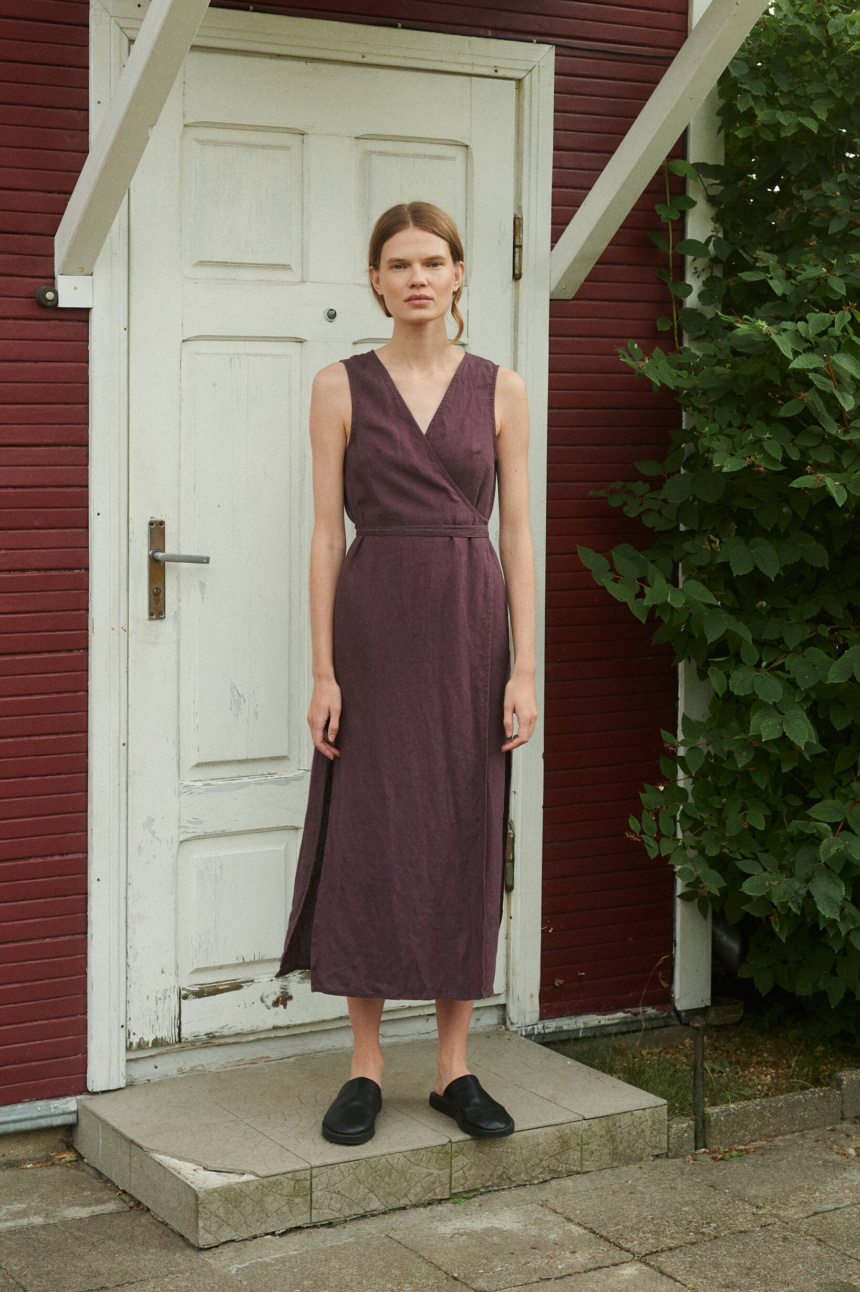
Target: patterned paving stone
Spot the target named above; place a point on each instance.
(774, 1259)
(650, 1207)
(499, 1247)
(618, 1278)
(380, 1265)
(99, 1252)
(49, 1194)
(839, 1229)
(793, 1177)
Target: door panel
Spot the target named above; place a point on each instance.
(249, 220)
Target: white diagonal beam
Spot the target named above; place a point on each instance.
(692, 74)
(156, 57)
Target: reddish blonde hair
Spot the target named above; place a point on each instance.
(416, 215)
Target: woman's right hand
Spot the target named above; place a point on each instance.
(325, 708)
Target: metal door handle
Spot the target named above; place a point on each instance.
(178, 556)
(157, 559)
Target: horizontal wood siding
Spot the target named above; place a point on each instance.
(607, 909)
(44, 51)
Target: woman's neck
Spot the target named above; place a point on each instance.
(421, 347)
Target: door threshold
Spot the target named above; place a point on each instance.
(211, 1054)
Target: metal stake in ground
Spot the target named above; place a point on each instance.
(698, 1026)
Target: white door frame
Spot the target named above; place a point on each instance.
(114, 23)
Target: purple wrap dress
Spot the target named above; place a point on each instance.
(400, 880)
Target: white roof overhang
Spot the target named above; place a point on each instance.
(165, 37)
(688, 80)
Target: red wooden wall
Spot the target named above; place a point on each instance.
(607, 909)
(607, 926)
(43, 562)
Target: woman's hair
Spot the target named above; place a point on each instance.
(416, 215)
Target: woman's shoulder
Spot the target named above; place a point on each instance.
(508, 382)
(332, 376)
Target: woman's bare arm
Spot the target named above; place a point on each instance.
(516, 551)
(330, 416)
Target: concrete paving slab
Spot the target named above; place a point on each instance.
(296, 1126)
(6, 1284)
(651, 1207)
(839, 1229)
(410, 1071)
(50, 1194)
(381, 1265)
(99, 1252)
(222, 1146)
(793, 1177)
(191, 1280)
(574, 1086)
(774, 1259)
(504, 1247)
(618, 1278)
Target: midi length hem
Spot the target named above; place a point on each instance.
(399, 888)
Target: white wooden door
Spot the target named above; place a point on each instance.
(249, 220)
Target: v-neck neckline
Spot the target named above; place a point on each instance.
(412, 416)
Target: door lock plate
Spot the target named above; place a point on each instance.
(156, 570)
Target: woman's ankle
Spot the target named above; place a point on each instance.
(369, 1065)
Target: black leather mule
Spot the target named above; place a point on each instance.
(351, 1118)
(474, 1111)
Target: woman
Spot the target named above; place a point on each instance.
(399, 887)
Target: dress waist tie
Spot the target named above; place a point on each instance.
(425, 531)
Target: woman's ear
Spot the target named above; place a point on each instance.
(373, 276)
(460, 272)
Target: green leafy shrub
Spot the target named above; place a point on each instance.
(754, 568)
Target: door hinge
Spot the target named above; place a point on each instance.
(518, 248)
(509, 859)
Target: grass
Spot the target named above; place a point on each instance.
(743, 1061)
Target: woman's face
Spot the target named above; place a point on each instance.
(416, 275)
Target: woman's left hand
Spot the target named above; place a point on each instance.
(520, 699)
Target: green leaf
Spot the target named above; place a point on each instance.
(699, 591)
(817, 322)
(765, 556)
(757, 885)
(693, 247)
(847, 363)
(828, 891)
(768, 687)
(846, 666)
(828, 810)
(593, 561)
(741, 557)
(715, 623)
(798, 728)
(742, 681)
(680, 166)
(807, 360)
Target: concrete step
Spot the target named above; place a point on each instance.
(236, 1153)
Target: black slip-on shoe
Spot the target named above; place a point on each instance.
(474, 1111)
(351, 1117)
